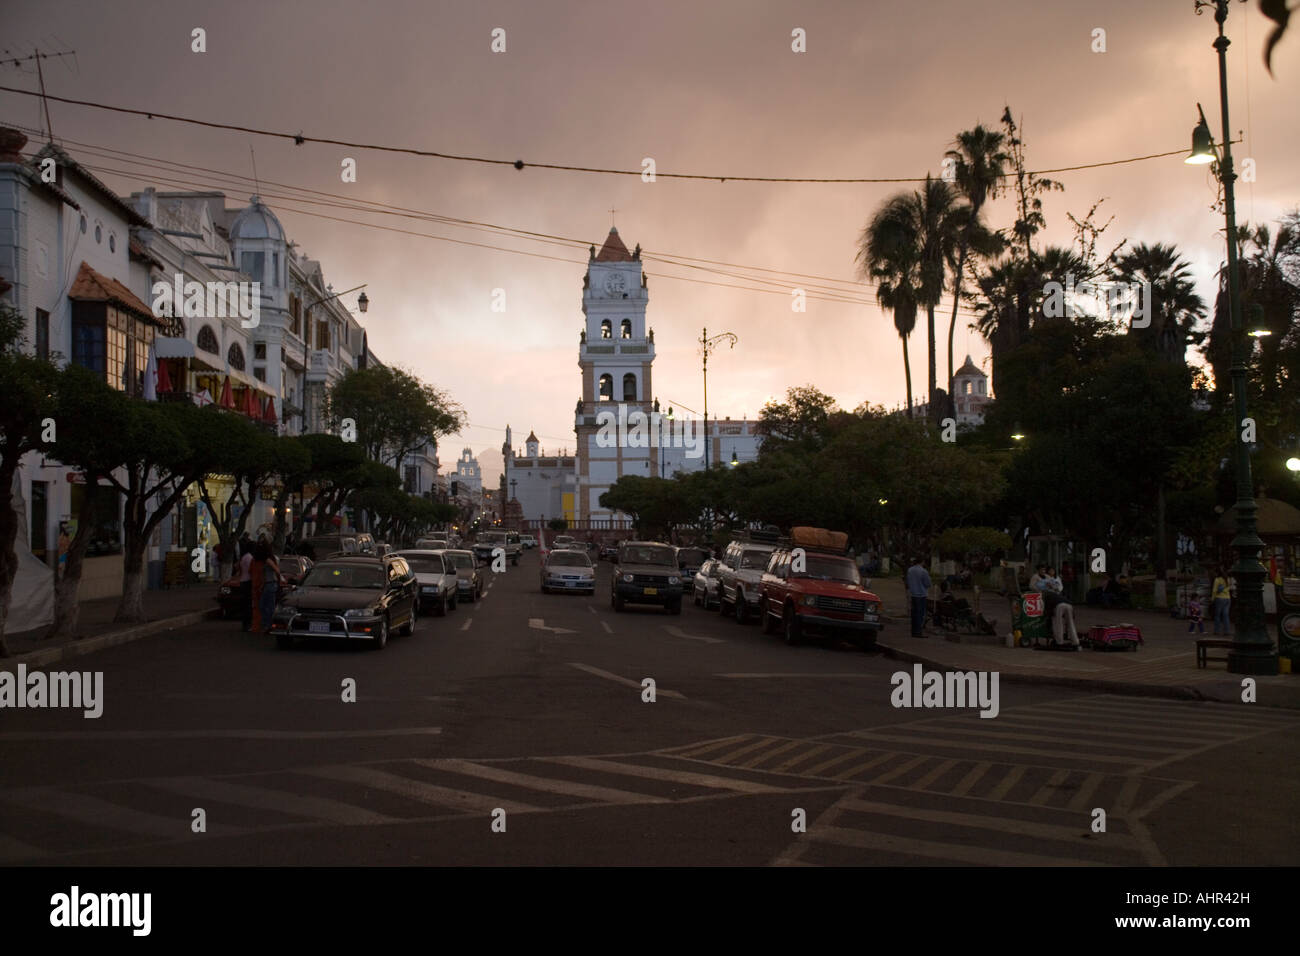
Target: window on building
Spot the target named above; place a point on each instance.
(606, 388)
(112, 242)
(323, 335)
(99, 233)
(412, 480)
(42, 334)
(295, 311)
(629, 387)
(606, 330)
(259, 372)
(112, 343)
(105, 521)
(275, 268)
(252, 264)
(208, 341)
(966, 388)
(627, 328)
(259, 351)
(235, 357)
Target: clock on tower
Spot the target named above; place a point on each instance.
(616, 283)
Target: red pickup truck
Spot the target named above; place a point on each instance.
(815, 590)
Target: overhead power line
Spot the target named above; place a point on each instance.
(300, 139)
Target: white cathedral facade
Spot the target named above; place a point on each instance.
(616, 353)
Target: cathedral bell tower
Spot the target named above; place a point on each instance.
(615, 355)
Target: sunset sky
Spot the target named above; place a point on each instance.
(710, 88)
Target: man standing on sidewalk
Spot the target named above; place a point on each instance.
(918, 587)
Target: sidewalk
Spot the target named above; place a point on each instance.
(1165, 665)
(164, 610)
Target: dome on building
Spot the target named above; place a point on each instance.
(255, 221)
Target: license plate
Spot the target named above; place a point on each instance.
(870, 618)
(651, 590)
(318, 627)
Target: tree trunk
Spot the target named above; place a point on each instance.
(907, 372)
(67, 608)
(1162, 558)
(952, 326)
(130, 609)
(932, 402)
(8, 534)
(281, 500)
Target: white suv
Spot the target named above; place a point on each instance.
(742, 569)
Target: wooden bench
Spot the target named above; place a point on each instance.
(1203, 646)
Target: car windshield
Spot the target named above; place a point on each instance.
(754, 559)
(575, 559)
(345, 576)
(829, 569)
(462, 561)
(290, 565)
(648, 554)
(424, 563)
(691, 557)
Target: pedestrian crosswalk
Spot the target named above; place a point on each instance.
(1019, 789)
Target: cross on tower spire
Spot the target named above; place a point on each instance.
(611, 217)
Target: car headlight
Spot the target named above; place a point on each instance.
(674, 580)
(627, 578)
(359, 612)
(225, 590)
(873, 606)
(810, 600)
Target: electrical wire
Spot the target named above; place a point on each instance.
(300, 139)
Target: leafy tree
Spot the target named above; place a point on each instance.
(888, 255)
(799, 421)
(394, 412)
(244, 451)
(1174, 309)
(28, 386)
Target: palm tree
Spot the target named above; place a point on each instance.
(979, 163)
(888, 255)
(1174, 307)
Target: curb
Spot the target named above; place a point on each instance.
(90, 645)
(1228, 695)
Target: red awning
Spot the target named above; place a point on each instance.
(251, 407)
(269, 415)
(227, 399)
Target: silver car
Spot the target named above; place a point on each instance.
(438, 584)
(708, 584)
(469, 579)
(568, 570)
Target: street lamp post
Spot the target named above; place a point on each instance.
(1252, 651)
(710, 344)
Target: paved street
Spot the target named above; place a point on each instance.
(532, 705)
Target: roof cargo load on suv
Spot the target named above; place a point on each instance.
(819, 539)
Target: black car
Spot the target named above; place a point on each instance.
(689, 562)
(646, 572)
(608, 552)
(355, 598)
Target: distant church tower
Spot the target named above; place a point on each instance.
(615, 356)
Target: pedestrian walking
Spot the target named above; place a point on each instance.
(246, 585)
(1221, 598)
(918, 588)
(1195, 615)
(272, 582)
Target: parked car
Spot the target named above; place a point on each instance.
(439, 584)
(645, 572)
(433, 541)
(354, 598)
(292, 566)
(469, 579)
(689, 561)
(608, 552)
(568, 570)
(708, 581)
(490, 540)
(528, 541)
(743, 564)
(817, 592)
(321, 546)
